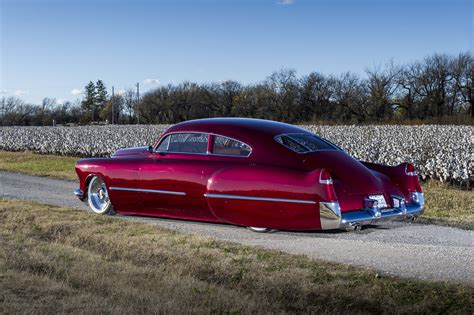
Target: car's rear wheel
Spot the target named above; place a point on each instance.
(259, 229)
(98, 196)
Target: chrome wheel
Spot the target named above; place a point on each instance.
(98, 197)
(259, 230)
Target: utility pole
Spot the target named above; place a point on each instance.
(113, 116)
(138, 103)
(3, 110)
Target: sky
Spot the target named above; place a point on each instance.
(53, 48)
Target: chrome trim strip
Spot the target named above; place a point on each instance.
(165, 192)
(223, 196)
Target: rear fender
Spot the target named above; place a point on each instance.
(265, 196)
(406, 183)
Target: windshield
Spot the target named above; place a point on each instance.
(305, 142)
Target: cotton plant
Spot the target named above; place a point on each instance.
(439, 152)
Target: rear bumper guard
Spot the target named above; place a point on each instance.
(332, 218)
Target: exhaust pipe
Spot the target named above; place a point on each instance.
(354, 226)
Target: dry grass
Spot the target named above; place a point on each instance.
(448, 205)
(61, 260)
(40, 165)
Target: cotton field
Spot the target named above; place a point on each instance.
(440, 152)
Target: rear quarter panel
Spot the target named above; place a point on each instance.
(266, 182)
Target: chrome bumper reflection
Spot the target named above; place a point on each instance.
(332, 218)
(78, 192)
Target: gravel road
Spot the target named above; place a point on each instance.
(426, 252)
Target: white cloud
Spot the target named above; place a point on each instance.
(3, 91)
(60, 101)
(20, 92)
(121, 92)
(151, 81)
(76, 92)
(286, 2)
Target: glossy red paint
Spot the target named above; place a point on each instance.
(273, 187)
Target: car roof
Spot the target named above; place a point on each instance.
(241, 128)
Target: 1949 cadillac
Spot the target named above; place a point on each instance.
(256, 173)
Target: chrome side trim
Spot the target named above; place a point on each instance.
(155, 191)
(223, 196)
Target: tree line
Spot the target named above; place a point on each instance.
(434, 89)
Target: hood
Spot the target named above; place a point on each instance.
(349, 175)
(131, 152)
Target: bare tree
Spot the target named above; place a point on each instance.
(463, 76)
(350, 94)
(382, 85)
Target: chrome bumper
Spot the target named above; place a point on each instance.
(79, 194)
(332, 218)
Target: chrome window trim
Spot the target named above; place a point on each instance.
(207, 153)
(164, 139)
(164, 192)
(224, 196)
(169, 142)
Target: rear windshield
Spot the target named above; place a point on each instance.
(304, 142)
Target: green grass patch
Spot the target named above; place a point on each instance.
(37, 164)
(62, 260)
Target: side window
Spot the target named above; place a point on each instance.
(164, 144)
(184, 142)
(227, 146)
(303, 143)
(291, 144)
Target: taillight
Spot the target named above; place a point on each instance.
(325, 177)
(410, 170)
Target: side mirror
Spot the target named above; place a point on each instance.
(150, 149)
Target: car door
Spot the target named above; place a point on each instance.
(171, 178)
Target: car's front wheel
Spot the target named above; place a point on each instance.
(98, 196)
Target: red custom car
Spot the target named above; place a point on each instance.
(256, 173)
